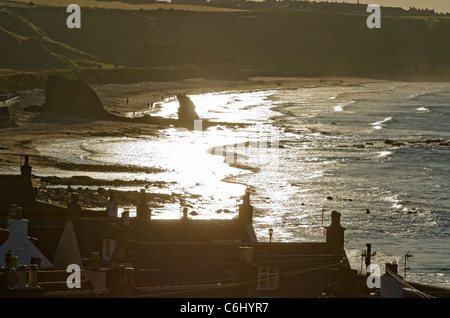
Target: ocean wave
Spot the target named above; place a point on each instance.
(424, 94)
(382, 123)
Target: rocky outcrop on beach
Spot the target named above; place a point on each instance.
(186, 112)
(70, 100)
(73, 98)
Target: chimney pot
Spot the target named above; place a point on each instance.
(22, 276)
(13, 211)
(14, 261)
(12, 278)
(18, 212)
(8, 256)
(32, 275)
(392, 267)
(36, 260)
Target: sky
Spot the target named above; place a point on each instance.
(437, 5)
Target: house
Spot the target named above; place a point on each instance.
(241, 269)
(145, 257)
(18, 190)
(18, 246)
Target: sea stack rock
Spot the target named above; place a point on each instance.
(186, 112)
(73, 98)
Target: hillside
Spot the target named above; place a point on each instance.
(26, 46)
(208, 63)
(12, 81)
(279, 41)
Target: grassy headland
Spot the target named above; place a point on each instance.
(36, 42)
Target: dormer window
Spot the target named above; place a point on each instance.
(268, 278)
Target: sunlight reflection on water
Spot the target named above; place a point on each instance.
(333, 147)
(183, 155)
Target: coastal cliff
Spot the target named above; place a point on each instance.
(162, 45)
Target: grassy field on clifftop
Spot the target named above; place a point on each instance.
(120, 5)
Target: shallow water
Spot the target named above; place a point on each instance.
(344, 148)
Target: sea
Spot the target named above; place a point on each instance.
(377, 152)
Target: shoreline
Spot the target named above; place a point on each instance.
(18, 138)
(141, 93)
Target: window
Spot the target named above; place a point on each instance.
(108, 248)
(268, 278)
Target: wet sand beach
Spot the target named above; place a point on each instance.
(17, 137)
(123, 100)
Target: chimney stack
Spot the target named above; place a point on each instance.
(246, 209)
(22, 277)
(12, 211)
(142, 210)
(335, 233)
(10, 260)
(18, 212)
(36, 260)
(74, 208)
(12, 278)
(392, 268)
(32, 276)
(391, 282)
(25, 169)
(112, 207)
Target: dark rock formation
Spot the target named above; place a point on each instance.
(73, 98)
(78, 101)
(209, 63)
(186, 112)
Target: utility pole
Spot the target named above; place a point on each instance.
(367, 254)
(324, 229)
(407, 255)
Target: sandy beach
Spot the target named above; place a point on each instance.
(17, 136)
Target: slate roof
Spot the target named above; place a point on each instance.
(304, 268)
(191, 231)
